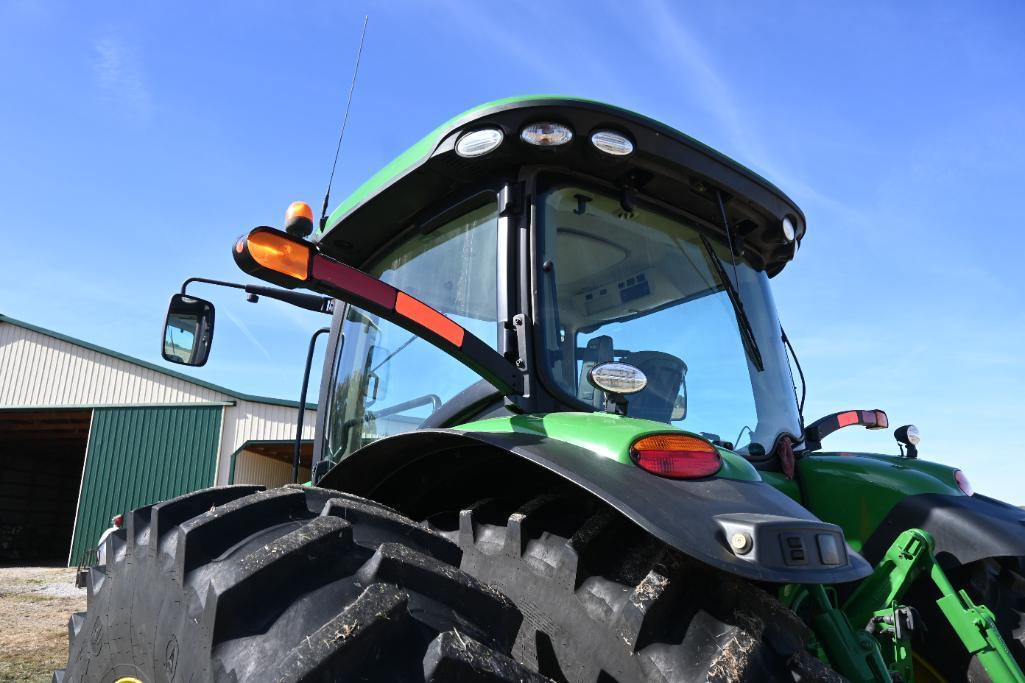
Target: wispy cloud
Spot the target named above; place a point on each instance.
(120, 76)
(240, 324)
(667, 38)
(677, 46)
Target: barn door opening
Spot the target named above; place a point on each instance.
(41, 456)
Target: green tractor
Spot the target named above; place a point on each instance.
(558, 440)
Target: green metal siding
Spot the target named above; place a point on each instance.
(139, 456)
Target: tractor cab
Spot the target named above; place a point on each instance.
(564, 234)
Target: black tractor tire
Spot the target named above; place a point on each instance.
(605, 601)
(997, 583)
(242, 584)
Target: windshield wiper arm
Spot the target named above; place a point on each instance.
(747, 334)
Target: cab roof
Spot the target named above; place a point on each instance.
(666, 165)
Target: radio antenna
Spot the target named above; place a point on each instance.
(345, 121)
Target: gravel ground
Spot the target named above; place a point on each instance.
(35, 603)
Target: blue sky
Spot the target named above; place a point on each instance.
(137, 141)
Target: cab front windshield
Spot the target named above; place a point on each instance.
(651, 290)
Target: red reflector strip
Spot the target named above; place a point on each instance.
(848, 418)
(351, 280)
(421, 313)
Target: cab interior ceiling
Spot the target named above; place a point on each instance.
(606, 270)
(678, 175)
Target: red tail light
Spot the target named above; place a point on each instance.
(118, 521)
(676, 456)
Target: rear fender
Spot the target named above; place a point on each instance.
(694, 516)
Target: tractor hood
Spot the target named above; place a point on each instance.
(830, 481)
(665, 164)
(873, 498)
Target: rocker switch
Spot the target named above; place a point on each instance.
(793, 549)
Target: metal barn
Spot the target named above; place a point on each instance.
(87, 433)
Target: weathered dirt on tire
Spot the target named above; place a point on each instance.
(35, 603)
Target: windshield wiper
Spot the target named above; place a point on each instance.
(747, 335)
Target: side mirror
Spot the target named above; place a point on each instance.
(188, 330)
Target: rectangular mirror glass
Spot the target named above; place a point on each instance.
(188, 330)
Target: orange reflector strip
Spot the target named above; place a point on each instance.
(282, 255)
(848, 418)
(424, 315)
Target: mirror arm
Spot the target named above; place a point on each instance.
(311, 302)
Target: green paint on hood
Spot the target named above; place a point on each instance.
(604, 434)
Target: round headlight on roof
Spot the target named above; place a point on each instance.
(789, 230)
(611, 142)
(479, 142)
(546, 134)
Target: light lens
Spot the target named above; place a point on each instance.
(789, 231)
(280, 254)
(612, 143)
(298, 210)
(676, 456)
(963, 483)
(617, 378)
(299, 219)
(913, 436)
(479, 142)
(546, 134)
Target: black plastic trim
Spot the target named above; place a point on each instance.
(965, 528)
(680, 513)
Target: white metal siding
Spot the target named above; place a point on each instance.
(250, 421)
(37, 370)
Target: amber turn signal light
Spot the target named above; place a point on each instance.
(676, 456)
(277, 252)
